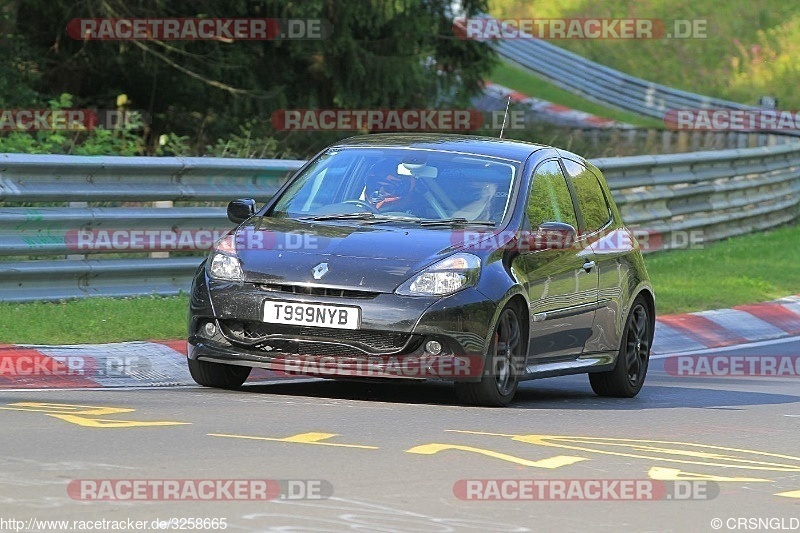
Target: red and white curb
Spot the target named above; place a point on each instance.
(163, 363)
(727, 327)
(120, 364)
(548, 111)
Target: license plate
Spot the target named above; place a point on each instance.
(320, 315)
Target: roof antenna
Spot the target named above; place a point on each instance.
(505, 117)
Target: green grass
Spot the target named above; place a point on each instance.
(749, 48)
(529, 84)
(94, 320)
(747, 269)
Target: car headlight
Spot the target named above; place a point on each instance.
(224, 264)
(444, 277)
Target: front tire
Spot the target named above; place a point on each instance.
(503, 365)
(630, 370)
(218, 375)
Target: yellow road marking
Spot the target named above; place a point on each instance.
(300, 438)
(77, 414)
(106, 423)
(674, 474)
(687, 453)
(654, 446)
(86, 410)
(550, 462)
(790, 494)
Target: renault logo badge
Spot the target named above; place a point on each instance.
(320, 270)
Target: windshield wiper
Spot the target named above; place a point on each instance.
(372, 218)
(460, 221)
(378, 219)
(394, 218)
(360, 215)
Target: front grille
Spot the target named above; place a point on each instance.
(322, 349)
(316, 341)
(317, 291)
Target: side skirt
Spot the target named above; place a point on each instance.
(597, 362)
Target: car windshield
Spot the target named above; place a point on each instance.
(400, 185)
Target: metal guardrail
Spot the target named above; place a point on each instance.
(719, 193)
(600, 83)
(63, 178)
(51, 231)
(24, 281)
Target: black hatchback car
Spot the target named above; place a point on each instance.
(471, 259)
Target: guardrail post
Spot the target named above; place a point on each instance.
(652, 140)
(595, 136)
(696, 141)
(683, 141)
(708, 140)
(577, 136)
(167, 204)
(632, 136)
(666, 142)
(77, 205)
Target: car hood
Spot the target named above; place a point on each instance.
(360, 256)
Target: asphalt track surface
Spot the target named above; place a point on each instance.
(397, 457)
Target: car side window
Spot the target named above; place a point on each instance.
(591, 200)
(550, 200)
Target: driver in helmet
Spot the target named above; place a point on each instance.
(386, 189)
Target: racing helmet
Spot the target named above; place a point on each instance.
(385, 185)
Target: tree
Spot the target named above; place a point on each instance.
(381, 53)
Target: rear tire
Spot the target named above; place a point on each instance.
(630, 370)
(218, 375)
(502, 367)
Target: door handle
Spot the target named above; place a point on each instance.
(588, 266)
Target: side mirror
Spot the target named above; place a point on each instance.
(555, 236)
(241, 209)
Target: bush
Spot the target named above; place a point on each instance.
(96, 141)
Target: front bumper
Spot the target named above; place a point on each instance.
(416, 366)
(389, 343)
